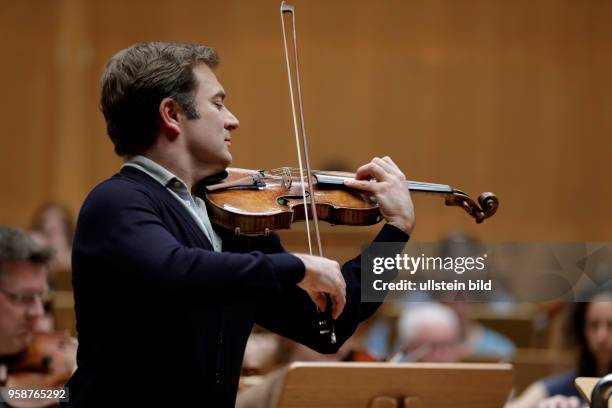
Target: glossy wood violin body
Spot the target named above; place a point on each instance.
(256, 202)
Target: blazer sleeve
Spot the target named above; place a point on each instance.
(293, 314)
(120, 226)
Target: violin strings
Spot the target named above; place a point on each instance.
(276, 174)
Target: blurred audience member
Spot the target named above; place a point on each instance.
(428, 332)
(480, 341)
(347, 352)
(589, 327)
(23, 289)
(261, 354)
(52, 225)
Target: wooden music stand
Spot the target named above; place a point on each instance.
(391, 385)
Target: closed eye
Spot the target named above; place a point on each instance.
(218, 99)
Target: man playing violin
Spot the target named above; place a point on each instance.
(164, 301)
(23, 285)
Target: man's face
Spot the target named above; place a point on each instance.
(21, 286)
(437, 342)
(207, 138)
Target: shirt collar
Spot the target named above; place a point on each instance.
(162, 175)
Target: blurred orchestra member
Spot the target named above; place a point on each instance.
(52, 225)
(589, 326)
(23, 289)
(428, 332)
(481, 341)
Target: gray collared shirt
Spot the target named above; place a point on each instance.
(194, 205)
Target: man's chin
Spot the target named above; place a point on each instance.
(225, 164)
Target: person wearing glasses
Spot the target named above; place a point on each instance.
(23, 289)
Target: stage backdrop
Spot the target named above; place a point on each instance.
(514, 97)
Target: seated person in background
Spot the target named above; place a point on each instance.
(29, 358)
(590, 327)
(267, 351)
(348, 352)
(23, 288)
(261, 354)
(428, 332)
(480, 341)
(52, 225)
(23, 285)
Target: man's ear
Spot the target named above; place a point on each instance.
(168, 112)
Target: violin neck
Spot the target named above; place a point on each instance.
(416, 186)
(419, 186)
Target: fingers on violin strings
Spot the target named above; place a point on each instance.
(366, 172)
(388, 167)
(371, 170)
(388, 160)
(363, 185)
(361, 173)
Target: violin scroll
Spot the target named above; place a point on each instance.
(487, 205)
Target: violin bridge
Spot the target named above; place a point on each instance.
(286, 179)
(258, 180)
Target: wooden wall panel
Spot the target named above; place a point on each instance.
(513, 97)
(26, 80)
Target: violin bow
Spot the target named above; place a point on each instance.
(326, 325)
(487, 202)
(287, 8)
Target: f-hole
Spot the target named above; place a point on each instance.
(284, 200)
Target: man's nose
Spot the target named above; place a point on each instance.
(36, 308)
(232, 122)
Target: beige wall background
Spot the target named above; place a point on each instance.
(513, 97)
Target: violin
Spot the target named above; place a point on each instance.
(48, 362)
(258, 201)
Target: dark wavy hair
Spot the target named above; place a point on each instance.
(575, 326)
(135, 82)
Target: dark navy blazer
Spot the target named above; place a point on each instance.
(162, 319)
